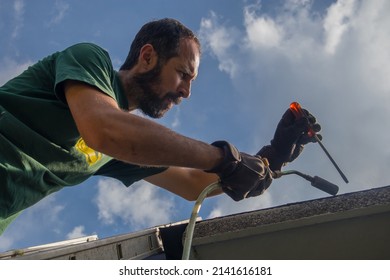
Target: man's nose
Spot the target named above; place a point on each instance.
(185, 90)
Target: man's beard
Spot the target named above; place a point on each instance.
(142, 88)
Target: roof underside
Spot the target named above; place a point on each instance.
(349, 226)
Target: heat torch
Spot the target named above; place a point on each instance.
(299, 113)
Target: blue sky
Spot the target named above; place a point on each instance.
(258, 57)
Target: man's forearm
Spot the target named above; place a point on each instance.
(141, 141)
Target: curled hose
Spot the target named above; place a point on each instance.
(191, 224)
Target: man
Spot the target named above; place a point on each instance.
(68, 117)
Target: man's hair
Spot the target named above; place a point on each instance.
(164, 35)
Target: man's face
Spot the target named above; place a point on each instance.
(167, 84)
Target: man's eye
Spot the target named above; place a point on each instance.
(182, 74)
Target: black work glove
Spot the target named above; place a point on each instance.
(290, 137)
(241, 175)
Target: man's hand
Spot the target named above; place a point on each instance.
(290, 137)
(241, 175)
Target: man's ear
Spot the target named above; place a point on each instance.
(148, 57)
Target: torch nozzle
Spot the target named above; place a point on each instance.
(315, 181)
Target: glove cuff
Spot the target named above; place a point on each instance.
(276, 162)
(231, 156)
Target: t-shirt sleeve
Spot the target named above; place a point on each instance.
(86, 63)
(127, 173)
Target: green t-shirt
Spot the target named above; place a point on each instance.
(41, 150)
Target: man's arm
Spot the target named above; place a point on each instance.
(131, 138)
(185, 182)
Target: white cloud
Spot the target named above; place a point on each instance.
(141, 205)
(10, 68)
(262, 31)
(218, 39)
(176, 120)
(173, 118)
(41, 217)
(18, 17)
(227, 206)
(6, 242)
(337, 22)
(336, 65)
(59, 12)
(76, 232)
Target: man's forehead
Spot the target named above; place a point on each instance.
(190, 55)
